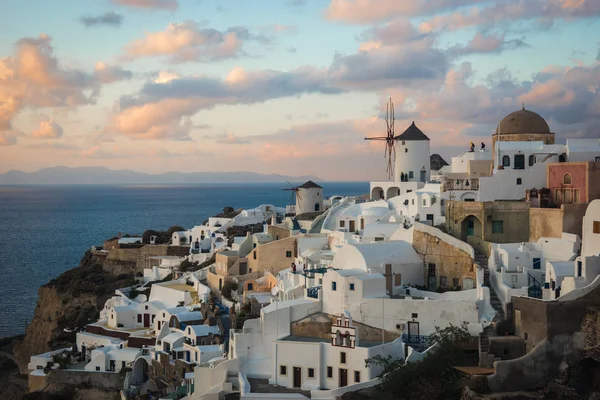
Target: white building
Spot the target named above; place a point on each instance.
(411, 165)
(309, 198)
(425, 204)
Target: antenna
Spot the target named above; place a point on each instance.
(390, 139)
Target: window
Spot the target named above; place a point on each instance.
(506, 161)
(352, 286)
(414, 315)
(413, 202)
(146, 307)
(424, 202)
(455, 282)
(254, 255)
(596, 227)
(342, 224)
(497, 226)
(250, 287)
(514, 278)
(139, 318)
(537, 263)
(334, 286)
(356, 376)
(330, 372)
(519, 161)
(288, 254)
(283, 370)
(311, 372)
(579, 268)
(406, 149)
(342, 358)
(97, 368)
(431, 268)
(567, 179)
(443, 281)
(546, 285)
(531, 160)
(410, 175)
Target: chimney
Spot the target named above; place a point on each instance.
(273, 220)
(248, 234)
(120, 235)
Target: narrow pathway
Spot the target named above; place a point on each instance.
(490, 330)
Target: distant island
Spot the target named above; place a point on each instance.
(105, 176)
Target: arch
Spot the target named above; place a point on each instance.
(377, 193)
(506, 161)
(471, 226)
(317, 207)
(140, 371)
(338, 338)
(392, 191)
(532, 160)
(562, 158)
(567, 179)
(468, 196)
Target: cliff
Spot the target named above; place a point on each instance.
(66, 303)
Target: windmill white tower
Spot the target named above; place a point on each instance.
(309, 197)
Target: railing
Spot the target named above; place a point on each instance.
(415, 339)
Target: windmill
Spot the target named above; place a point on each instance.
(390, 140)
(294, 196)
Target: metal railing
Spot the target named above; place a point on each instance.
(415, 339)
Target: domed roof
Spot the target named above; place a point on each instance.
(523, 121)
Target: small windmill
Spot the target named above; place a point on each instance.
(295, 195)
(390, 140)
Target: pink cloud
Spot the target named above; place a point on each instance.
(187, 41)
(33, 77)
(367, 11)
(170, 5)
(48, 129)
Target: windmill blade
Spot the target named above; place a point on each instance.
(298, 195)
(292, 186)
(377, 138)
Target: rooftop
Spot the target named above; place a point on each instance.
(309, 185)
(412, 133)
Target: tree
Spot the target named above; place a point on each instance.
(228, 287)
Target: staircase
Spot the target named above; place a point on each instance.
(225, 325)
(329, 223)
(485, 358)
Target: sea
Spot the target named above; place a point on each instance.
(45, 230)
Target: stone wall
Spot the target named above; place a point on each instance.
(552, 222)
(163, 370)
(450, 261)
(319, 325)
(278, 232)
(94, 379)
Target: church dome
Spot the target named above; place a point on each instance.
(522, 121)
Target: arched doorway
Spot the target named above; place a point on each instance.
(392, 191)
(377, 193)
(140, 371)
(470, 226)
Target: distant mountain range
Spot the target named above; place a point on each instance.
(105, 176)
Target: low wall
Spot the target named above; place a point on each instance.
(334, 394)
(95, 379)
(479, 244)
(544, 363)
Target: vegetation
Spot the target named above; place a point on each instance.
(62, 359)
(188, 266)
(162, 237)
(433, 378)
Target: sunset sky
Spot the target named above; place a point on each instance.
(283, 86)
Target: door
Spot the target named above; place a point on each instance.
(297, 377)
(388, 278)
(430, 218)
(352, 226)
(470, 227)
(519, 161)
(537, 263)
(422, 177)
(343, 377)
(83, 355)
(146, 320)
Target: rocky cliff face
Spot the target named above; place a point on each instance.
(68, 302)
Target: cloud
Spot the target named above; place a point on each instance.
(34, 78)
(105, 73)
(169, 5)
(187, 41)
(9, 137)
(48, 129)
(481, 44)
(230, 138)
(495, 14)
(368, 11)
(109, 18)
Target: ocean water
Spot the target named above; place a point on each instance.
(45, 230)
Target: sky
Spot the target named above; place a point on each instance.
(283, 86)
